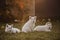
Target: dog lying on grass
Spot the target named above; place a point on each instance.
(10, 29)
(46, 27)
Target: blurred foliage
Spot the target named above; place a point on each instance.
(16, 9)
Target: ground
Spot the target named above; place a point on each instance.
(53, 35)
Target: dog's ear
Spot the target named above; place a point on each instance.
(35, 17)
(29, 17)
(6, 25)
(12, 25)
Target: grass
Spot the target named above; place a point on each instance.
(53, 35)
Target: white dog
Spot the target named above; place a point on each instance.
(46, 27)
(29, 25)
(9, 28)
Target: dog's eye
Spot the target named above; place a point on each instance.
(7, 26)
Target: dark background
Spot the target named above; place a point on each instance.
(47, 8)
(43, 9)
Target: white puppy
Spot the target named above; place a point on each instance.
(29, 25)
(46, 27)
(9, 28)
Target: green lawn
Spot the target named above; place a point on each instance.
(53, 35)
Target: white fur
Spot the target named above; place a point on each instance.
(46, 27)
(15, 30)
(9, 28)
(29, 25)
